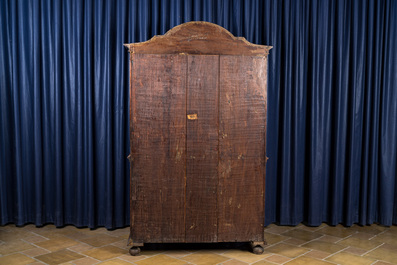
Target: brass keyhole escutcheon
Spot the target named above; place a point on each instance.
(192, 116)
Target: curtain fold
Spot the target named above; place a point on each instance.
(332, 106)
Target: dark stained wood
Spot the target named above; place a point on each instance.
(202, 149)
(198, 129)
(198, 37)
(158, 103)
(241, 148)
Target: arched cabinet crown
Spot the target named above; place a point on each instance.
(198, 37)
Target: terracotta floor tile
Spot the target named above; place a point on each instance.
(85, 261)
(177, 253)
(52, 232)
(37, 263)
(287, 250)
(277, 259)
(383, 263)
(301, 234)
(392, 230)
(307, 261)
(308, 228)
(99, 230)
(386, 238)
(15, 259)
(80, 248)
(385, 252)
(78, 235)
(274, 229)
(336, 245)
(317, 254)
(344, 258)
(364, 236)
(338, 231)
(272, 239)
(355, 251)
(330, 239)
(35, 239)
(295, 241)
(150, 253)
(104, 253)
(115, 262)
(129, 258)
(234, 262)
(217, 251)
(14, 246)
(100, 240)
(263, 262)
(33, 252)
(11, 235)
(369, 229)
(359, 243)
(244, 255)
(57, 243)
(58, 257)
(324, 246)
(124, 237)
(121, 244)
(160, 259)
(203, 258)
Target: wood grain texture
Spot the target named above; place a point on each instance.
(198, 37)
(198, 128)
(242, 148)
(158, 147)
(202, 149)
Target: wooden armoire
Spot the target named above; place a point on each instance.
(197, 130)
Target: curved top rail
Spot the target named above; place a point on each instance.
(198, 37)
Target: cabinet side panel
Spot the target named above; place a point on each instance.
(242, 148)
(158, 102)
(202, 149)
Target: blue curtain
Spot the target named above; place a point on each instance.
(332, 106)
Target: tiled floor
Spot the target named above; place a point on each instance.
(286, 245)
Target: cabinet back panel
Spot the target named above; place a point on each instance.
(241, 148)
(158, 146)
(198, 133)
(202, 149)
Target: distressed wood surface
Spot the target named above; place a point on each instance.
(198, 37)
(158, 102)
(198, 130)
(241, 148)
(202, 149)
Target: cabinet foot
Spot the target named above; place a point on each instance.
(134, 251)
(257, 250)
(257, 247)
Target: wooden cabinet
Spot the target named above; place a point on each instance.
(197, 131)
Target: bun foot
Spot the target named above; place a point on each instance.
(258, 250)
(134, 251)
(258, 247)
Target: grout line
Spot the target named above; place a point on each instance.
(373, 249)
(344, 238)
(333, 254)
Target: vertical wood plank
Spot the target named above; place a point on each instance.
(242, 148)
(202, 148)
(158, 133)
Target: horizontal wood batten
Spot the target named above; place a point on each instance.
(198, 37)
